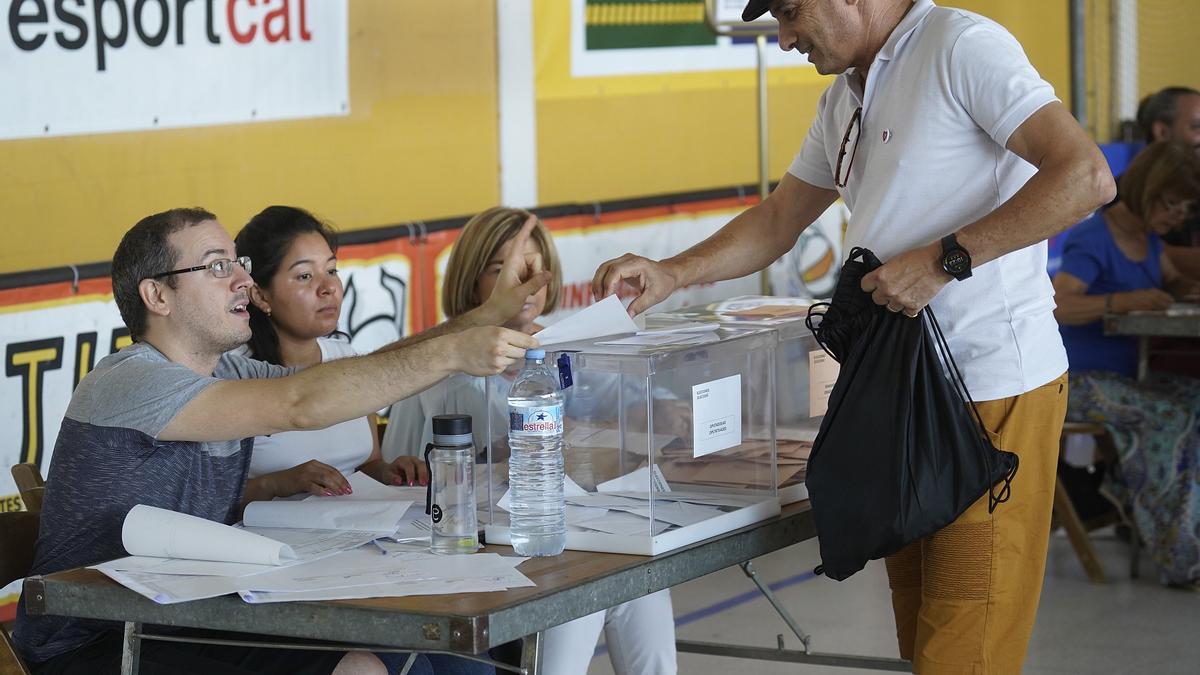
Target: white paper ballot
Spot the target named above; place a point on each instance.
(377, 516)
(607, 317)
(151, 531)
(637, 480)
(570, 489)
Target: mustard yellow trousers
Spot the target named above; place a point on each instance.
(966, 597)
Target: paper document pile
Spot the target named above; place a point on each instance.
(742, 468)
(317, 549)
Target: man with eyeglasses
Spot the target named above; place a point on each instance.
(169, 422)
(957, 162)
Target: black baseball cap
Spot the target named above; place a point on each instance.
(755, 9)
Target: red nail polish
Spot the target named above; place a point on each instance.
(328, 493)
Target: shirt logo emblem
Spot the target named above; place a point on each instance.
(887, 135)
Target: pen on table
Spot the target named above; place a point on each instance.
(382, 550)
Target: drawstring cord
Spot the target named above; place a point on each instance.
(960, 386)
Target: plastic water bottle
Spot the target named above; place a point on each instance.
(450, 499)
(535, 466)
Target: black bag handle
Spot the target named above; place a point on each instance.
(960, 387)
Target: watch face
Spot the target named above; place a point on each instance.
(956, 262)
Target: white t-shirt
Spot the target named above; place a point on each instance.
(344, 446)
(942, 98)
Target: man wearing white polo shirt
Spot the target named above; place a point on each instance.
(957, 162)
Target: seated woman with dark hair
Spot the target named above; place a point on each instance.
(1114, 263)
(294, 312)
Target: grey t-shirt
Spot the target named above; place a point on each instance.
(108, 458)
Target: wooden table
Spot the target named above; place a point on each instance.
(1145, 325)
(569, 586)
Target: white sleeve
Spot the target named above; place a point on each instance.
(992, 79)
(811, 164)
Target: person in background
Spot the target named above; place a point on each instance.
(294, 310)
(1114, 262)
(1173, 114)
(639, 634)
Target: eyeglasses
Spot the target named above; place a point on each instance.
(855, 123)
(221, 268)
(1181, 206)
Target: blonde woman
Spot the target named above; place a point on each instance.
(640, 634)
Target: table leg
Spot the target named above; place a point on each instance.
(531, 654)
(131, 648)
(1143, 365)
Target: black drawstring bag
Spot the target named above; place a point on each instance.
(902, 451)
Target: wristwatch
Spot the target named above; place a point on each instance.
(955, 259)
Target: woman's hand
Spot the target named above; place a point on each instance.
(314, 477)
(1145, 300)
(405, 470)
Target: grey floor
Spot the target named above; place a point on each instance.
(1125, 626)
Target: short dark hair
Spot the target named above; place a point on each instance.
(1162, 168)
(266, 239)
(144, 251)
(1161, 106)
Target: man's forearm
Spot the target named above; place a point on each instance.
(1052, 200)
(471, 319)
(347, 388)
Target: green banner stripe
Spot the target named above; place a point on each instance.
(631, 37)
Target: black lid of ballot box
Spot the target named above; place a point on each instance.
(451, 425)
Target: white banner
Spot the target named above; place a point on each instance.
(88, 66)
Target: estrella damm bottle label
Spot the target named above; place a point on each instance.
(536, 421)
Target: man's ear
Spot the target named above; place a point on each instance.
(1160, 131)
(259, 298)
(153, 297)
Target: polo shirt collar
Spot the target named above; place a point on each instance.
(914, 17)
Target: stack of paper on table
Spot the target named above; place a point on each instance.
(177, 557)
(743, 468)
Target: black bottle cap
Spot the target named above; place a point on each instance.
(451, 425)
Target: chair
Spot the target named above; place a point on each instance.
(30, 484)
(1066, 515)
(18, 535)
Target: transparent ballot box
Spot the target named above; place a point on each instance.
(804, 373)
(665, 445)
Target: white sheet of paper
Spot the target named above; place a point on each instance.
(716, 415)
(511, 579)
(683, 327)
(182, 567)
(638, 480)
(579, 514)
(625, 524)
(414, 526)
(326, 513)
(151, 531)
(168, 589)
(570, 489)
(662, 339)
(607, 317)
(822, 374)
(708, 498)
(367, 489)
(310, 544)
(406, 574)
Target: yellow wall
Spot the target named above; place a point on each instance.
(421, 140)
(420, 143)
(615, 137)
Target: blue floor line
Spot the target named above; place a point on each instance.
(729, 603)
